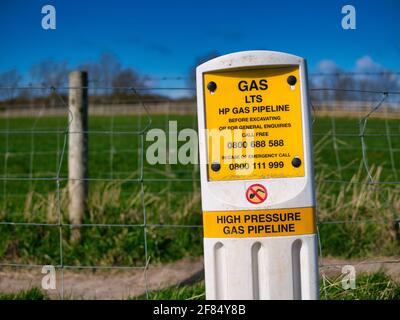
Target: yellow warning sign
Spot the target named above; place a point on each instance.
(254, 124)
(259, 223)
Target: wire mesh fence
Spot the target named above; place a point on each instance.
(139, 214)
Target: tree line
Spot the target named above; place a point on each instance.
(108, 77)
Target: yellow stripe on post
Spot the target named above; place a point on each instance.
(259, 223)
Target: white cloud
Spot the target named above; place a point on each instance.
(327, 66)
(367, 64)
(362, 64)
(365, 69)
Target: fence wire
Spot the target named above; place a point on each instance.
(114, 155)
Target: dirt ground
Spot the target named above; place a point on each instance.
(121, 284)
(390, 265)
(103, 283)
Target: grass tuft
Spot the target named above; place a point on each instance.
(31, 294)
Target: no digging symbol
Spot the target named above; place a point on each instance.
(256, 193)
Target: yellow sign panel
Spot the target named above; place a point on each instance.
(259, 223)
(254, 124)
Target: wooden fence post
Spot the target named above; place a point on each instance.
(77, 150)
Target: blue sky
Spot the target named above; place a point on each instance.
(163, 38)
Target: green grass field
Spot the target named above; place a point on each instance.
(30, 154)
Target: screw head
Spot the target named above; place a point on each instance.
(291, 80)
(296, 162)
(215, 166)
(212, 86)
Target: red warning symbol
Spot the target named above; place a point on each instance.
(256, 193)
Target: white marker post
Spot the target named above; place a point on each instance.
(257, 179)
